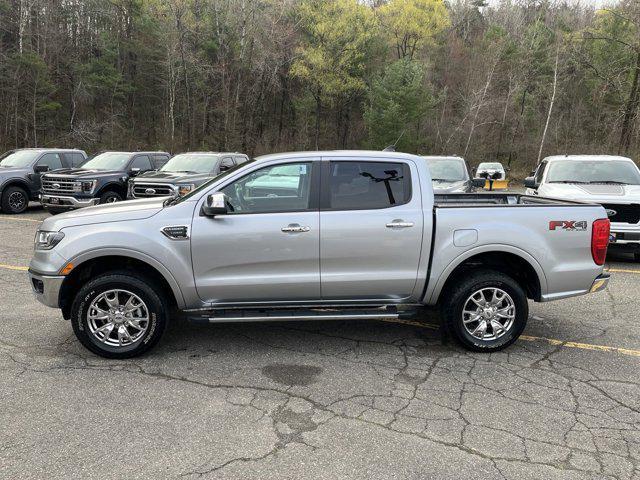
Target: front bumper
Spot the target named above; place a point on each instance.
(600, 283)
(46, 288)
(67, 202)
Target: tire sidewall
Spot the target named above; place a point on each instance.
(106, 195)
(156, 308)
(6, 207)
(487, 281)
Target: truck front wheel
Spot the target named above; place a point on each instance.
(14, 200)
(117, 315)
(486, 311)
(110, 197)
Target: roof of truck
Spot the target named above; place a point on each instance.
(43, 149)
(578, 158)
(338, 153)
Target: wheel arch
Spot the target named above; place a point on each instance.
(99, 261)
(19, 182)
(507, 259)
(112, 186)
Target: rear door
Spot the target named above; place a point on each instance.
(371, 225)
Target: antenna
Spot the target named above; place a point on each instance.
(392, 147)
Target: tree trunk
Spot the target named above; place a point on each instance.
(553, 99)
(631, 109)
(318, 110)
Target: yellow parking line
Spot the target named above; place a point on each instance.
(621, 270)
(19, 219)
(14, 267)
(582, 346)
(550, 341)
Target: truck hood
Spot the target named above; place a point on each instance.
(450, 187)
(172, 177)
(112, 212)
(598, 193)
(82, 174)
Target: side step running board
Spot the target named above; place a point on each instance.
(294, 314)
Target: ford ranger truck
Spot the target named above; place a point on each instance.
(102, 179)
(183, 173)
(611, 181)
(346, 235)
(21, 171)
(452, 175)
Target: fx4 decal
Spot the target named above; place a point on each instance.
(571, 225)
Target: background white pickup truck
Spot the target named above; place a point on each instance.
(613, 182)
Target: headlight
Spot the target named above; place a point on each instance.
(184, 189)
(47, 240)
(84, 186)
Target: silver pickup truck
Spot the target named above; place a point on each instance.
(316, 235)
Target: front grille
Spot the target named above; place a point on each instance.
(141, 190)
(58, 186)
(623, 213)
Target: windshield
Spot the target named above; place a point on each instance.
(21, 158)
(593, 171)
(492, 166)
(190, 163)
(209, 182)
(447, 169)
(107, 161)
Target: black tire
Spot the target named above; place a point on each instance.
(14, 200)
(456, 297)
(110, 197)
(144, 289)
(55, 211)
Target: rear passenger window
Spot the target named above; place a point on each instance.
(142, 162)
(241, 159)
(159, 161)
(368, 185)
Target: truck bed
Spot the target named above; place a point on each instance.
(495, 199)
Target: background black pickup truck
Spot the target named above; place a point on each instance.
(103, 179)
(183, 173)
(20, 172)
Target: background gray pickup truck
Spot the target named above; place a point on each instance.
(317, 235)
(21, 170)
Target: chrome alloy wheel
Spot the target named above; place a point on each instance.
(488, 313)
(118, 318)
(17, 200)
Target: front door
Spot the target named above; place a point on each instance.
(266, 249)
(371, 223)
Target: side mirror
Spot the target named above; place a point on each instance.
(41, 168)
(215, 204)
(224, 168)
(530, 182)
(478, 182)
(134, 171)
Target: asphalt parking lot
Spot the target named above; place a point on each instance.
(321, 400)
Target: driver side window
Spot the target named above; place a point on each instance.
(51, 160)
(277, 188)
(540, 172)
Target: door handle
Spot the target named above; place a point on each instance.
(295, 228)
(399, 224)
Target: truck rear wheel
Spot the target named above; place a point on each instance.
(14, 200)
(487, 311)
(117, 315)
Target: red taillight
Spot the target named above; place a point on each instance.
(600, 240)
